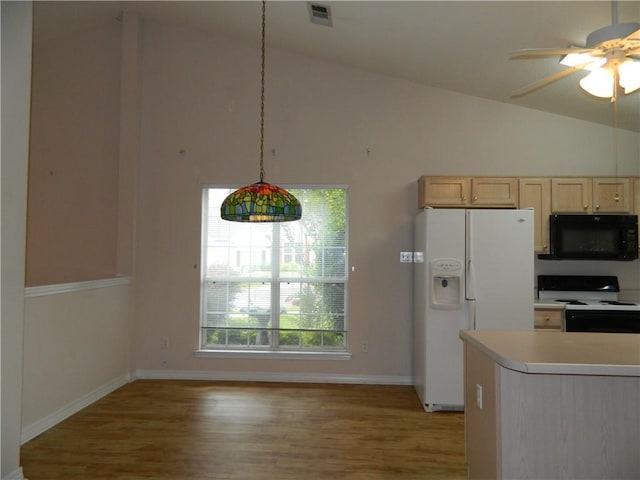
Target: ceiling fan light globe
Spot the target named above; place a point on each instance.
(575, 59)
(598, 83)
(629, 72)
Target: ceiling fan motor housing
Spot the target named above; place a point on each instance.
(611, 32)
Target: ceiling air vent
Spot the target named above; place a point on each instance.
(320, 14)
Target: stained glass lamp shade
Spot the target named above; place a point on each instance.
(261, 202)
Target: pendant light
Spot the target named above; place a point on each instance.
(261, 201)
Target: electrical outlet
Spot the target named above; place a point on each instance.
(479, 396)
(406, 257)
(164, 342)
(365, 345)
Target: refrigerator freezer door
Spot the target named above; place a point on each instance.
(437, 363)
(500, 252)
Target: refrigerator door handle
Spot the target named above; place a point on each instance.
(471, 291)
(471, 312)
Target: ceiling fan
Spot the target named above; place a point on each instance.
(611, 54)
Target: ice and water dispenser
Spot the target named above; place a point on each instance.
(446, 283)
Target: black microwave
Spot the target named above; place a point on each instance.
(593, 237)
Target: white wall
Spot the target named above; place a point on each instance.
(78, 334)
(73, 165)
(328, 124)
(16, 81)
(76, 349)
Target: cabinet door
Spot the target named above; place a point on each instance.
(443, 191)
(536, 193)
(570, 195)
(494, 192)
(612, 195)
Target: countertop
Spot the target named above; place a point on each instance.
(560, 353)
(547, 304)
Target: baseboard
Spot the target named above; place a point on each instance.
(15, 475)
(271, 377)
(31, 431)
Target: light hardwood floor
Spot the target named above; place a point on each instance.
(152, 429)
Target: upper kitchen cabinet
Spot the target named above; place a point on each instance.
(570, 195)
(612, 195)
(636, 196)
(591, 195)
(535, 193)
(443, 191)
(496, 192)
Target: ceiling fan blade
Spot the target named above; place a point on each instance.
(546, 52)
(546, 81)
(634, 36)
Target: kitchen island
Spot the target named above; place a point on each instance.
(552, 405)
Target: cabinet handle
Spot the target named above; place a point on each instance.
(464, 199)
(475, 198)
(597, 207)
(586, 207)
(616, 198)
(546, 319)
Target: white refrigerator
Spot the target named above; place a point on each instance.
(473, 269)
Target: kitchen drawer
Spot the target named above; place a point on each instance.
(548, 319)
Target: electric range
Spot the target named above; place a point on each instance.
(591, 303)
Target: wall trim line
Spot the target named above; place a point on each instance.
(40, 426)
(272, 377)
(59, 288)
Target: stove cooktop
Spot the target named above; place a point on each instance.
(586, 304)
(596, 302)
(588, 292)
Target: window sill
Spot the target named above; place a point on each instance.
(280, 354)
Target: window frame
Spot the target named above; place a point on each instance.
(274, 349)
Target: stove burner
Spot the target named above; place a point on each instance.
(571, 302)
(615, 302)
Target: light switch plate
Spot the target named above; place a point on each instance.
(406, 257)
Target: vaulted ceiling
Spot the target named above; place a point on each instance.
(459, 46)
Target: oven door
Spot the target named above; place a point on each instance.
(606, 321)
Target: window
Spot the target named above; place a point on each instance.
(276, 286)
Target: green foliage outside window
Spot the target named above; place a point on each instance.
(310, 281)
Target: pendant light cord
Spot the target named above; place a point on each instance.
(264, 4)
(614, 123)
